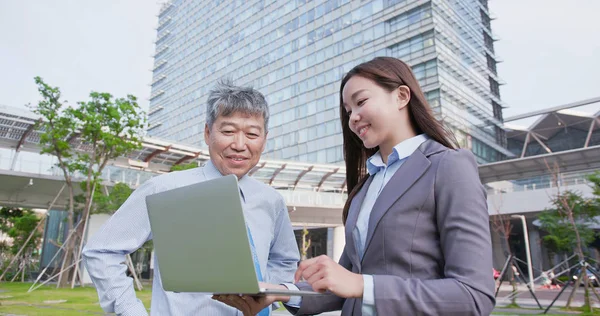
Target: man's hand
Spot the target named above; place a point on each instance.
(252, 305)
(248, 305)
(324, 274)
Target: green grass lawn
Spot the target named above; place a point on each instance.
(79, 301)
(14, 299)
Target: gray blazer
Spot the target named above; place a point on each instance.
(428, 244)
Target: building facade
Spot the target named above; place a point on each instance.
(571, 133)
(296, 53)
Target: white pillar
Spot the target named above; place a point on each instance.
(96, 221)
(152, 264)
(339, 241)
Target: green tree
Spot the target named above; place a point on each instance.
(186, 166)
(565, 235)
(7, 215)
(306, 241)
(106, 200)
(568, 225)
(19, 224)
(109, 202)
(22, 227)
(594, 180)
(84, 139)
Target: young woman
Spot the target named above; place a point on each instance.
(416, 219)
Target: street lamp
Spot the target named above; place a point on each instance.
(527, 251)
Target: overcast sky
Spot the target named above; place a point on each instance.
(104, 45)
(550, 52)
(550, 49)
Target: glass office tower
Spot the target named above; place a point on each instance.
(296, 53)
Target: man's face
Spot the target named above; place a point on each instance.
(236, 142)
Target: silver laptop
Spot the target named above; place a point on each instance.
(201, 241)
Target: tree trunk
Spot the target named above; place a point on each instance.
(81, 233)
(570, 299)
(305, 244)
(63, 279)
(511, 275)
(587, 305)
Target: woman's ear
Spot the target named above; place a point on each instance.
(403, 96)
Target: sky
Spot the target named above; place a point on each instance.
(550, 50)
(79, 46)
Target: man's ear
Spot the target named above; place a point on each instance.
(206, 133)
(403, 96)
(265, 142)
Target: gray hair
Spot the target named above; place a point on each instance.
(226, 99)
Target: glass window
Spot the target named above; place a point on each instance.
(331, 155)
(330, 128)
(412, 45)
(321, 156)
(319, 11)
(356, 16)
(302, 135)
(346, 19)
(431, 72)
(357, 39)
(312, 133)
(321, 130)
(301, 64)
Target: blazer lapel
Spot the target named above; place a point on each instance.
(351, 221)
(412, 169)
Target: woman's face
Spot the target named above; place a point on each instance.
(376, 115)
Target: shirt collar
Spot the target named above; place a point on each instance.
(211, 172)
(399, 152)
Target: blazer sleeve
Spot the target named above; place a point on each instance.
(463, 224)
(313, 305)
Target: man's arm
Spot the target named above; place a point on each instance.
(104, 255)
(283, 253)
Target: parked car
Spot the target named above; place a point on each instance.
(592, 277)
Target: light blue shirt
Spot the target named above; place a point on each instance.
(382, 173)
(129, 228)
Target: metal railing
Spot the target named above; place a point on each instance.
(540, 183)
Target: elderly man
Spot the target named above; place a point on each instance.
(235, 131)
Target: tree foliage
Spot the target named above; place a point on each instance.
(23, 226)
(106, 200)
(109, 202)
(561, 236)
(18, 224)
(186, 166)
(570, 228)
(84, 138)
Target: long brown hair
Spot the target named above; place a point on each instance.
(388, 73)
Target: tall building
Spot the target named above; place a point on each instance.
(296, 53)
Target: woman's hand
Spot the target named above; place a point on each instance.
(324, 274)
